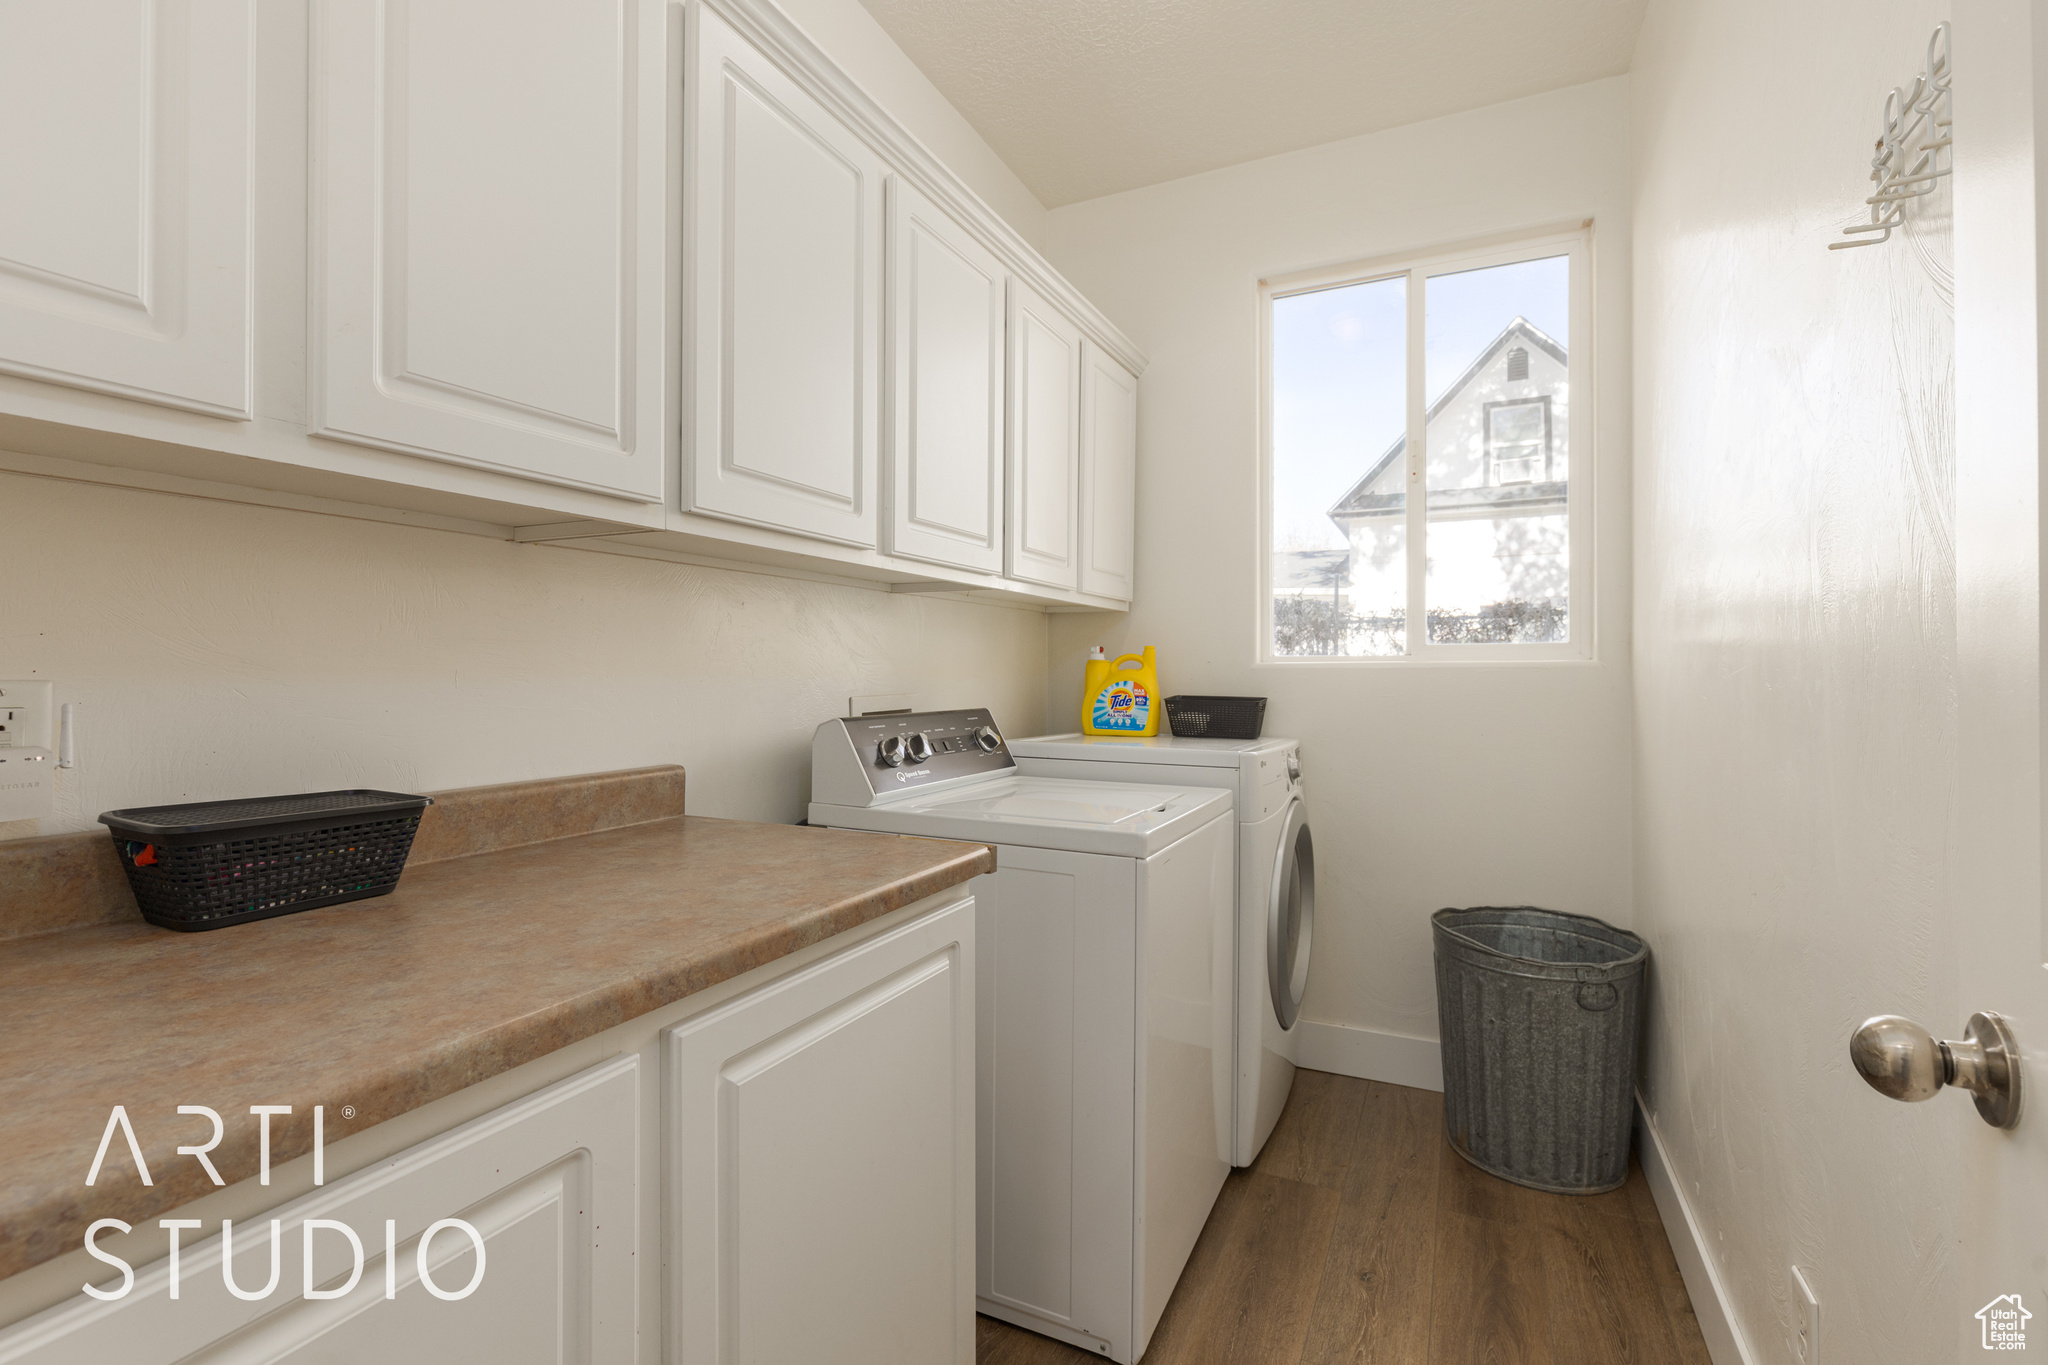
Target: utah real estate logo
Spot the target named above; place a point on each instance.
(2005, 1323)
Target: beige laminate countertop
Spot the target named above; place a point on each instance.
(471, 967)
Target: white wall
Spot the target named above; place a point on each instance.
(224, 650)
(1795, 655)
(1429, 785)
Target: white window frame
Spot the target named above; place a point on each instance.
(1575, 242)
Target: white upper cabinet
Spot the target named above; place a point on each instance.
(784, 294)
(125, 251)
(489, 217)
(945, 414)
(1109, 474)
(1045, 441)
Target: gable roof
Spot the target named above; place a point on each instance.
(1356, 498)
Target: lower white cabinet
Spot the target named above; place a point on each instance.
(808, 1181)
(551, 1183)
(821, 1161)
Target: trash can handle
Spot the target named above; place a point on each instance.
(1598, 995)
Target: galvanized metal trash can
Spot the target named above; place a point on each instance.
(1540, 1013)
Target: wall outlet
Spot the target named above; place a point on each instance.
(26, 715)
(28, 765)
(1809, 1318)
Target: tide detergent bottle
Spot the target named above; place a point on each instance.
(1121, 696)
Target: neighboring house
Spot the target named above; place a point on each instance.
(1497, 480)
(1322, 574)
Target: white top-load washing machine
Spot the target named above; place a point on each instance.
(1103, 1011)
(1276, 882)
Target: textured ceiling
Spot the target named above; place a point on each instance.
(1088, 97)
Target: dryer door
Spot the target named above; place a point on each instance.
(1291, 917)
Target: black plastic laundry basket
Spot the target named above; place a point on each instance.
(216, 863)
(1540, 1014)
(1216, 717)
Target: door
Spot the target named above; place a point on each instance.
(1045, 442)
(2001, 931)
(550, 1185)
(1109, 475)
(125, 251)
(820, 1158)
(945, 427)
(783, 303)
(488, 227)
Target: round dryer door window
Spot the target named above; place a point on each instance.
(1291, 918)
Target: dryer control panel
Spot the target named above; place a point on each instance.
(860, 760)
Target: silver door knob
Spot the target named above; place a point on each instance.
(1903, 1061)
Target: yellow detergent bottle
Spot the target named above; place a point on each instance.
(1122, 695)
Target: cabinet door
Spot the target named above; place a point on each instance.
(1109, 475)
(1045, 441)
(785, 215)
(821, 1161)
(551, 1185)
(945, 426)
(488, 222)
(124, 198)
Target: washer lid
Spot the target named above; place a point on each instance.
(1192, 753)
(1119, 818)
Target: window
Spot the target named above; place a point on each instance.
(1518, 438)
(1418, 453)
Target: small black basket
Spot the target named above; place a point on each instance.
(1216, 717)
(216, 863)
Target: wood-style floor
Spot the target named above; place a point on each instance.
(1360, 1236)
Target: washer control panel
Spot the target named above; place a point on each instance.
(918, 748)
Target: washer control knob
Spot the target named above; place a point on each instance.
(889, 753)
(1294, 767)
(920, 747)
(988, 739)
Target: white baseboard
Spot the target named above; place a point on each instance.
(1718, 1323)
(1369, 1054)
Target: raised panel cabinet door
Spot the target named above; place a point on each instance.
(784, 206)
(1109, 475)
(489, 225)
(125, 251)
(1045, 442)
(820, 1156)
(549, 1183)
(945, 410)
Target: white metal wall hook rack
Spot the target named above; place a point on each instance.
(1914, 150)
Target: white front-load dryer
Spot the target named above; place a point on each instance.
(1276, 895)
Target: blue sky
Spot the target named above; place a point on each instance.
(1339, 382)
